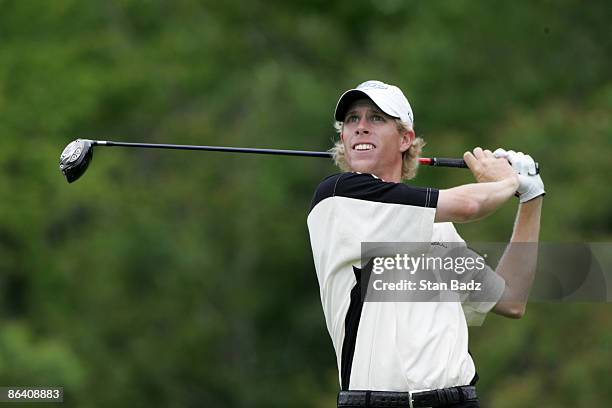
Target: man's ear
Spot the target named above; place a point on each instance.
(341, 132)
(406, 140)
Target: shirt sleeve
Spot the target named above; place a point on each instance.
(475, 303)
(478, 303)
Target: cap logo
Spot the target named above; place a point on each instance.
(372, 85)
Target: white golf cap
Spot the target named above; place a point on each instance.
(389, 98)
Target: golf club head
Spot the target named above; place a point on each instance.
(75, 158)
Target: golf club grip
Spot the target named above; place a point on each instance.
(444, 162)
(460, 163)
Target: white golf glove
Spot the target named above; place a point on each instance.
(530, 183)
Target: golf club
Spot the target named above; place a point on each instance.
(76, 157)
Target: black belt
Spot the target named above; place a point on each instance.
(389, 399)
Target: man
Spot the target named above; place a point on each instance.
(409, 353)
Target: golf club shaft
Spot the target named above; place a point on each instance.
(434, 161)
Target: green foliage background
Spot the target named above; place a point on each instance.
(183, 279)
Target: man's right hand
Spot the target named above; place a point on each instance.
(497, 182)
(486, 167)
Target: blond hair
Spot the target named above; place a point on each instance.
(410, 158)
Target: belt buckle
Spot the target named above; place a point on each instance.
(410, 400)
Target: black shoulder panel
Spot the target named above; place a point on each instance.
(364, 186)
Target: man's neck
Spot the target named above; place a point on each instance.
(390, 177)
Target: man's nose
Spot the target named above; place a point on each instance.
(362, 127)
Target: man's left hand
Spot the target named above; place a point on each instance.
(530, 182)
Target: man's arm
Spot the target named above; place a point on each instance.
(497, 182)
(472, 202)
(518, 264)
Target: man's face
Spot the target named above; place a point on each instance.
(372, 142)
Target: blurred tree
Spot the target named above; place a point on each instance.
(183, 279)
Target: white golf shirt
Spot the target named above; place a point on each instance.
(391, 346)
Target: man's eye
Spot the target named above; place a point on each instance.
(352, 118)
(378, 118)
